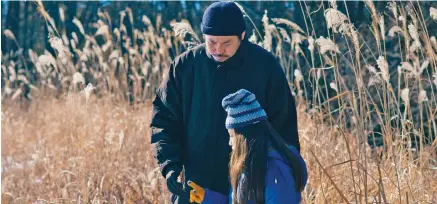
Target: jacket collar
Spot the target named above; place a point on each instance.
(234, 61)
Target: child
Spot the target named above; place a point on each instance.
(262, 168)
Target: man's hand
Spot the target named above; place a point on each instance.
(173, 185)
(197, 194)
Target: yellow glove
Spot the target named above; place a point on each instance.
(197, 194)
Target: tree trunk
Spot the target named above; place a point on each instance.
(12, 24)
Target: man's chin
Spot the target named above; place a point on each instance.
(220, 59)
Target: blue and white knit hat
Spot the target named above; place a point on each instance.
(243, 109)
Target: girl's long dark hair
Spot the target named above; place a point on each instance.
(297, 169)
(250, 157)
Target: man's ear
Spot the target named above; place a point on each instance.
(243, 35)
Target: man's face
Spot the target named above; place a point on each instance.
(222, 47)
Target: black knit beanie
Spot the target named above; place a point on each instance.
(223, 19)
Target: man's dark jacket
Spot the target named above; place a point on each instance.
(188, 124)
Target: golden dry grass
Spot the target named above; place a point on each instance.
(67, 150)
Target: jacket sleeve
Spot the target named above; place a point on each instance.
(280, 107)
(166, 123)
(212, 197)
(280, 186)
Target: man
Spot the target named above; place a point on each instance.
(188, 124)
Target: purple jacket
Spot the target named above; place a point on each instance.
(280, 187)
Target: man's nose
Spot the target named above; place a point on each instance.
(220, 49)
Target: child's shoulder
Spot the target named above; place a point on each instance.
(272, 153)
(280, 187)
